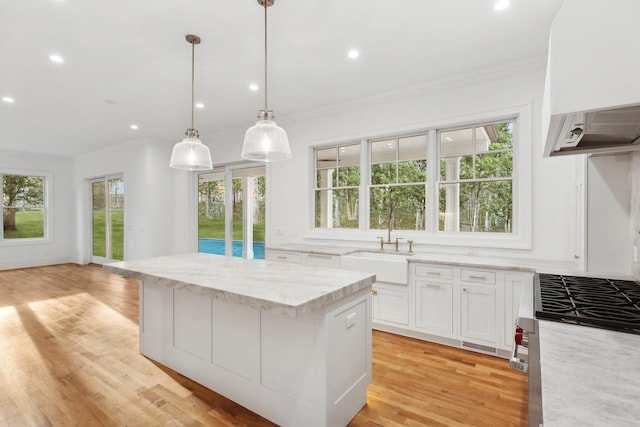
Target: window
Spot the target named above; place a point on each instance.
(337, 187)
(476, 184)
(23, 207)
(107, 212)
(398, 189)
(467, 185)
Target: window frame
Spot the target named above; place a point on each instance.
(47, 187)
(397, 161)
(469, 242)
(475, 179)
(359, 188)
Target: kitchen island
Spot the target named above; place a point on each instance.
(292, 343)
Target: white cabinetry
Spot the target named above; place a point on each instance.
(465, 306)
(312, 259)
(284, 256)
(478, 306)
(390, 303)
(513, 283)
(321, 260)
(434, 299)
(478, 313)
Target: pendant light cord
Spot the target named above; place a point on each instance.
(265, 54)
(193, 53)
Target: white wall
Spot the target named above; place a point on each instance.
(476, 97)
(59, 248)
(152, 195)
(608, 209)
(160, 213)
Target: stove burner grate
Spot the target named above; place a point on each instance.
(597, 302)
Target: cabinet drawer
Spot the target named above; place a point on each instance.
(434, 272)
(293, 257)
(478, 276)
(321, 260)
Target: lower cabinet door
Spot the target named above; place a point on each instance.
(390, 305)
(434, 307)
(478, 313)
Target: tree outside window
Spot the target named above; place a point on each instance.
(476, 179)
(23, 213)
(337, 194)
(398, 190)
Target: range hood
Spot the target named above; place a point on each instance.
(591, 101)
(611, 130)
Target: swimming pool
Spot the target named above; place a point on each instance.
(216, 246)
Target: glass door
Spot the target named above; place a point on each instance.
(231, 212)
(107, 219)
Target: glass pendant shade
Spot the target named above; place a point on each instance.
(191, 154)
(266, 142)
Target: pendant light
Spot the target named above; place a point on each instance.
(191, 154)
(266, 141)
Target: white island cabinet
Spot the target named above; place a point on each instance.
(292, 343)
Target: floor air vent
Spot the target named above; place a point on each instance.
(480, 347)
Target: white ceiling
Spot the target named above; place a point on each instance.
(127, 61)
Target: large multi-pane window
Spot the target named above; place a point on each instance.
(337, 183)
(440, 181)
(23, 207)
(398, 189)
(476, 178)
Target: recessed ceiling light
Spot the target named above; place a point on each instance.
(56, 58)
(134, 127)
(253, 87)
(8, 99)
(353, 54)
(199, 105)
(501, 5)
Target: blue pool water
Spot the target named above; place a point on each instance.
(216, 246)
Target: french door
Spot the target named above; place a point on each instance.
(107, 219)
(231, 211)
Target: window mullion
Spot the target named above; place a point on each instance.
(365, 182)
(433, 168)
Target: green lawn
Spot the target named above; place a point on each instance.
(29, 225)
(213, 228)
(117, 234)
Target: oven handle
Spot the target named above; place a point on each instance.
(517, 363)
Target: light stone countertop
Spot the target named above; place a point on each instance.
(590, 376)
(282, 288)
(311, 248)
(460, 260)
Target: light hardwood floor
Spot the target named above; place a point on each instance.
(69, 356)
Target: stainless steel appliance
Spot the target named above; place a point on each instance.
(588, 301)
(611, 130)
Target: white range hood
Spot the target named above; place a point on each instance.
(593, 77)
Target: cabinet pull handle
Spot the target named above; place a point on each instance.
(434, 273)
(374, 292)
(282, 257)
(464, 289)
(434, 286)
(318, 256)
(478, 277)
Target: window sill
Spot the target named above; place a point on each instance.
(469, 241)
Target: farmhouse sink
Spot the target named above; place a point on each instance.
(388, 266)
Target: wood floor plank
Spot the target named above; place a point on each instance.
(69, 356)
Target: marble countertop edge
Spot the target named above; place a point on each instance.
(313, 302)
